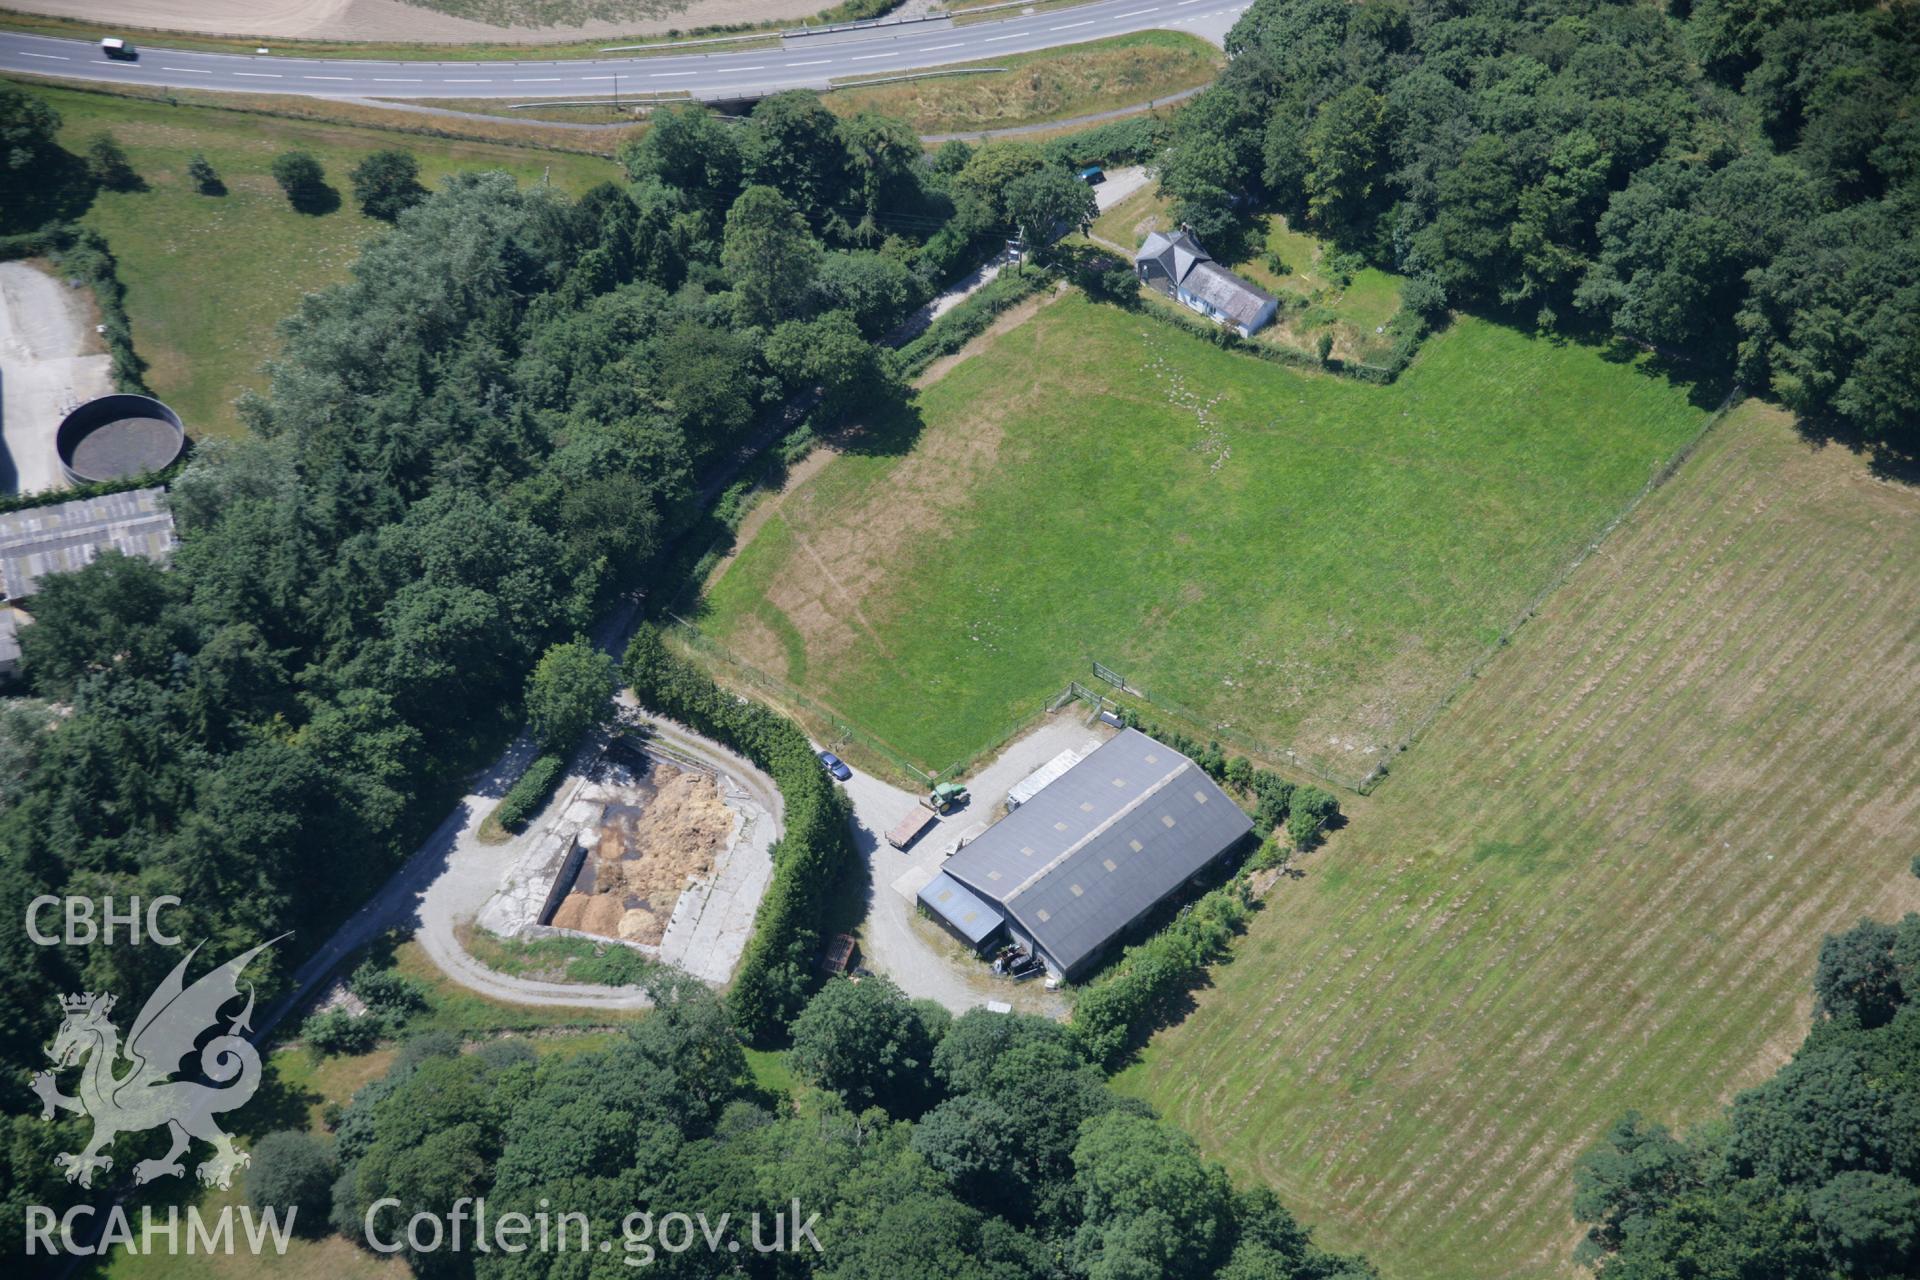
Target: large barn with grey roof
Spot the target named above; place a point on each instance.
(1087, 856)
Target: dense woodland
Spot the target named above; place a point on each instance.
(982, 1148)
(501, 422)
(1813, 1175)
(1734, 181)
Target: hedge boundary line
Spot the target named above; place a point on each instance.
(968, 320)
(776, 973)
(83, 252)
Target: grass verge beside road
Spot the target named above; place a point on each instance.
(1599, 882)
(451, 1007)
(1304, 560)
(209, 277)
(511, 129)
(1038, 87)
(404, 51)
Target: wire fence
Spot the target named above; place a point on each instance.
(1672, 466)
(825, 724)
(835, 731)
(1196, 725)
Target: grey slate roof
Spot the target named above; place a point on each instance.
(960, 908)
(68, 535)
(1191, 268)
(1176, 254)
(1226, 292)
(1101, 845)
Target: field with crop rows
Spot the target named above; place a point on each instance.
(1599, 882)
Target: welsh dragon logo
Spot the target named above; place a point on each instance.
(144, 1095)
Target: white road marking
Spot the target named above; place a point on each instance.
(326, 77)
(260, 75)
(869, 57)
(55, 56)
(1068, 26)
(469, 82)
(817, 62)
(599, 77)
(757, 67)
(393, 80)
(1136, 13)
(991, 39)
(935, 48)
(669, 75)
(192, 71)
(536, 79)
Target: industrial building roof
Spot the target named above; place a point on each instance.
(970, 917)
(68, 535)
(1099, 846)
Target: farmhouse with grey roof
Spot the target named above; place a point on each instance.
(1177, 266)
(68, 535)
(1090, 853)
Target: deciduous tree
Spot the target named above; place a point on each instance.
(770, 256)
(387, 183)
(569, 693)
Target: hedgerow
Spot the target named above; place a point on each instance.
(525, 797)
(1134, 140)
(775, 974)
(1306, 810)
(1116, 1011)
(967, 321)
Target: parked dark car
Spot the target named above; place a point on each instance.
(835, 766)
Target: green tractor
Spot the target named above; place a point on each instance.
(946, 796)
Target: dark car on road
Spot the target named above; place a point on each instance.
(835, 765)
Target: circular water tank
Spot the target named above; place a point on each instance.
(118, 436)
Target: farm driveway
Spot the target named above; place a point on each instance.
(452, 875)
(1120, 184)
(896, 940)
(46, 368)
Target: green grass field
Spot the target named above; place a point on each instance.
(1598, 883)
(1305, 560)
(209, 277)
